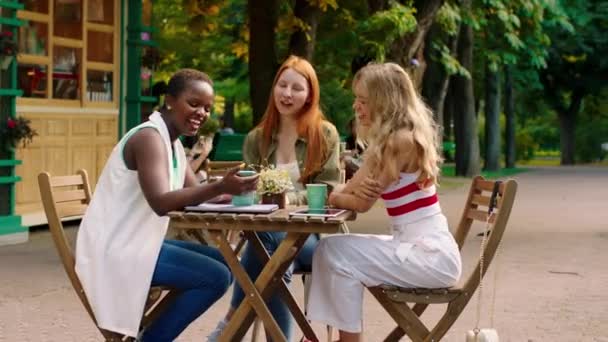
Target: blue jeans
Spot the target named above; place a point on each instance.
(202, 277)
(251, 263)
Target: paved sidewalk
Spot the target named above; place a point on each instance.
(551, 287)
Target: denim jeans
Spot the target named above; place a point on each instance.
(251, 263)
(202, 277)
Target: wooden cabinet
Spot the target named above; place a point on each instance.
(69, 53)
(65, 144)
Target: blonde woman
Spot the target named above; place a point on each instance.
(401, 165)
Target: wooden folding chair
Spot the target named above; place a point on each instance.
(217, 169)
(66, 196)
(395, 300)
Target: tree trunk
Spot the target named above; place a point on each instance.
(302, 42)
(567, 126)
(566, 136)
(492, 124)
(263, 17)
(229, 112)
(376, 5)
(435, 89)
(448, 111)
(436, 82)
(465, 120)
(403, 49)
(510, 153)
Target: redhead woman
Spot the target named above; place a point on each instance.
(293, 135)
(121, 248)
(401, 166)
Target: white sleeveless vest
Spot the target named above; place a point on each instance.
(120, 237)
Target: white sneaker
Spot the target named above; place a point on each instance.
(215, 334)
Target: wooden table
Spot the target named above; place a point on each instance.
(270, 281)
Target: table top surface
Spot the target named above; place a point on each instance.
(260, 222)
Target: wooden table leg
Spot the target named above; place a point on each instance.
(281, 286)
(265, 283)
(235, 330)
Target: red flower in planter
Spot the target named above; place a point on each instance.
(17, 131)
(8, 45)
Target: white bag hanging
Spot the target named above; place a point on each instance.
(486, 334)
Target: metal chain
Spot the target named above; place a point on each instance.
(484, 241)
(496, 271)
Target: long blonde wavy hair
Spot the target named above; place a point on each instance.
(394, 105)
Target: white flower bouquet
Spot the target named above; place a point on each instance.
(273, 182)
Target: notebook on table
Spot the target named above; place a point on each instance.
(229, 208)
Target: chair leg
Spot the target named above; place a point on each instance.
(306, 281)
(395, 335)
(161, 305)
(330, 333)
(407, 320)
(256, 330)
(447, 320)
(398, 333)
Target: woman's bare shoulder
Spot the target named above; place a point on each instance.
(401, 141)
(144, 136)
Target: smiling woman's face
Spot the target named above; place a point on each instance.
(360, 105)
(192, 107)
(291, 92)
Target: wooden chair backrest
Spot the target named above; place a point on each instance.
(476, 209)
(65, 196)
(219, 168)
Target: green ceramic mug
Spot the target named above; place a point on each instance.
(247, 198)
(316, 195)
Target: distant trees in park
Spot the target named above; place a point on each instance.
(505, 78)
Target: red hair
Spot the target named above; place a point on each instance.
(310, 118)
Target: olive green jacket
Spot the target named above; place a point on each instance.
(329, 173)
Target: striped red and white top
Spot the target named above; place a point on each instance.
(406, 203)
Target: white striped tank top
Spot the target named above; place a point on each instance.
(406, 203)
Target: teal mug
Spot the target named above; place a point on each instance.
(246, 198)
(316, 195)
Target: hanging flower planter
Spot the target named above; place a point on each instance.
(15, 131)
(8, 49)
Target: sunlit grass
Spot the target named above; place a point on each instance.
(449, 170)
(450, 183)
(541, 162)
(555, 162)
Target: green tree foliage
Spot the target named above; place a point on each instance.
(554, 51)
(577, 66)
(212, 38)
(592, 128)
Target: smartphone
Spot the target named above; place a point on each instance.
(326, 212)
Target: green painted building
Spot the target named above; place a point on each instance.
(80, 76)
